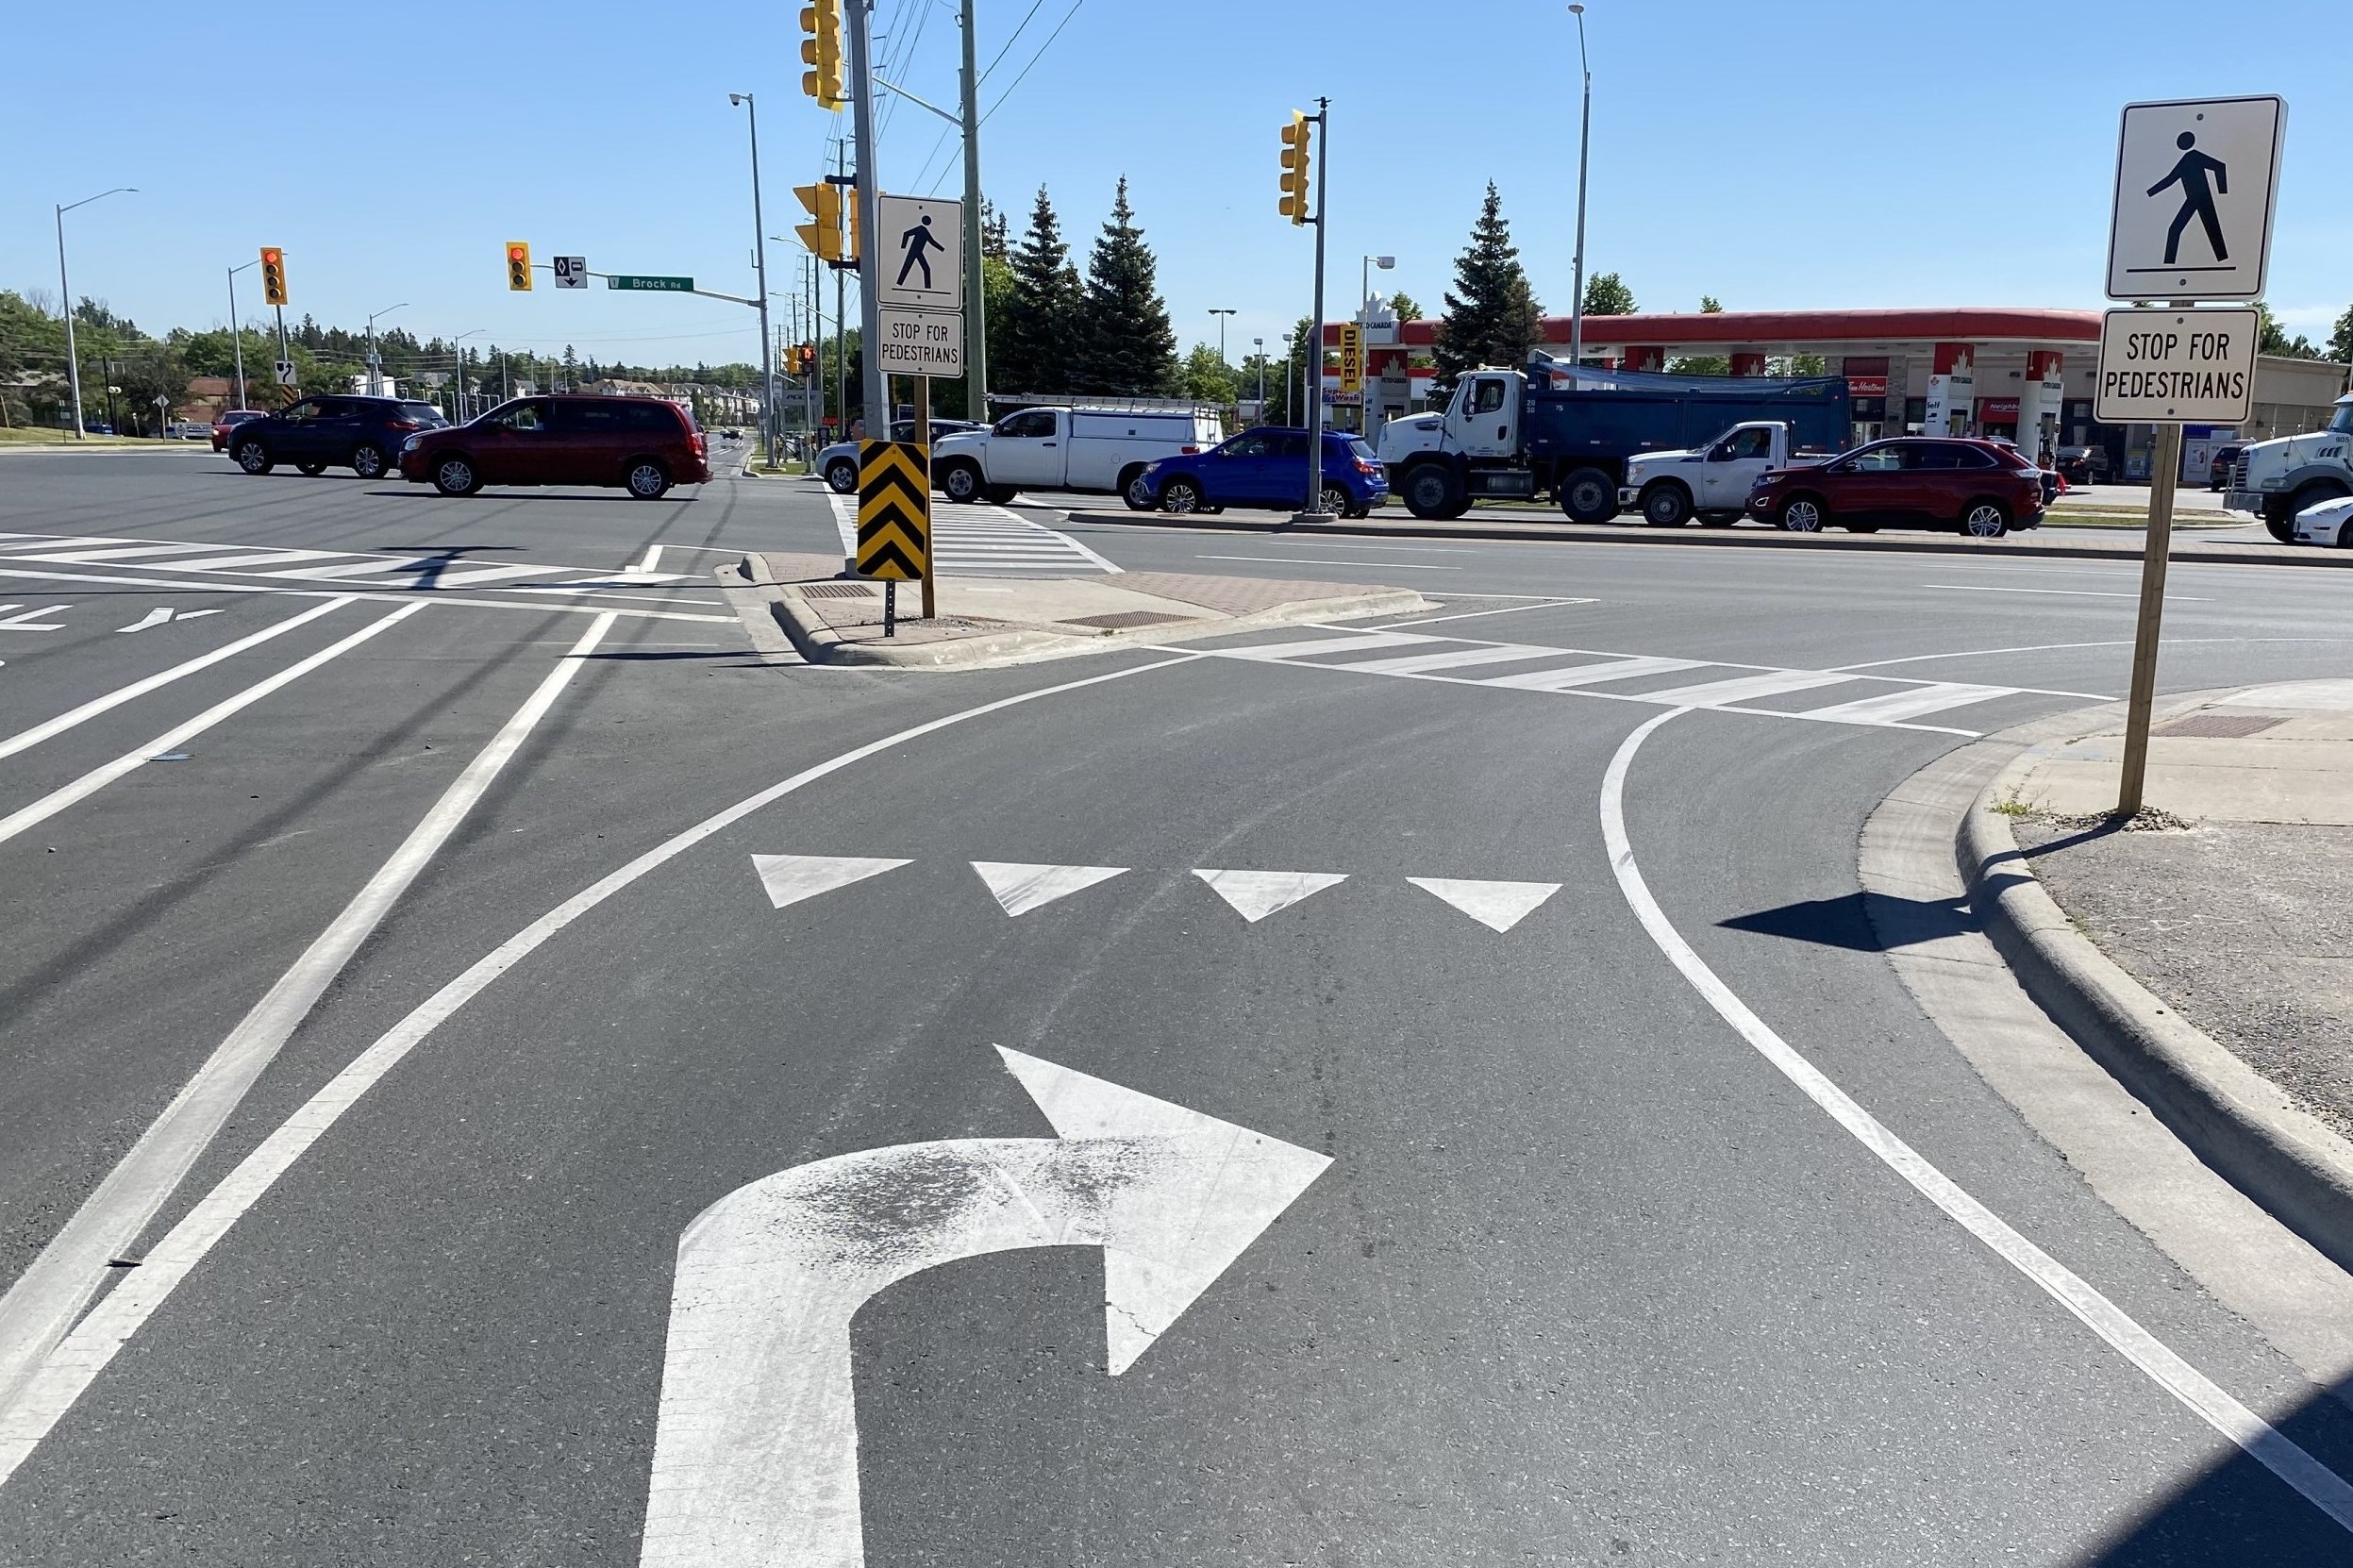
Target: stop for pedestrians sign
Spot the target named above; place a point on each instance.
(2194, 182)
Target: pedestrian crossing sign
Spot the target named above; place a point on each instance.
(2194, 184)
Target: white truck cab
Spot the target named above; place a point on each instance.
(1711, 481)
(2276, 479)
(1090, 449)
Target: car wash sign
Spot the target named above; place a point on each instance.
(2177, 367)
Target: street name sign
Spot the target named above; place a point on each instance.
(571, 270)
(656, 284)
(893, 509)
(2195, 186)
(922, 343)
(2177, 367)
(921, 254)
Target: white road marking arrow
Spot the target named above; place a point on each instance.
(30, 619)
(1498, 906)
(164, 614)
(756, 1449)
(790, 878)
(1255, 895)
(1021, 888)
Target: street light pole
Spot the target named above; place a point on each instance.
(975, 291)
(1260, 344)
(235, 330)
(458, 403)
(1364, 300)
(760, 234)
(65, 291)
(375, 361)
(1584, 142)
(1220, 312)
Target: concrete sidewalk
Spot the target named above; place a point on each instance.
(835, 619)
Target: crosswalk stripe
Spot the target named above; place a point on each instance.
(1913, 703)
(1366, 641)
(374, 566)
(115, 552)
(251, 557)
(1719, 694)
(1593, 674)
(1414, 664)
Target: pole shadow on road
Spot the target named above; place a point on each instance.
(1862, 922)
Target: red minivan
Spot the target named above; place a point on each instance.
(1974, 485)
(642, 445)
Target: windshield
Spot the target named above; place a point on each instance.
(2343, 422)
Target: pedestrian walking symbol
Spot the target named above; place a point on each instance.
(2197, 201)
(2194, 185)
(913, 243)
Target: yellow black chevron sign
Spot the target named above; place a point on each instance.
(893, 508)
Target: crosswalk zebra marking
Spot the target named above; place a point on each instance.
(971, 541)
(1746, 689)
(286, 563)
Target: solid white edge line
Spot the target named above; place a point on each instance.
(24, 739)
(2319, 1485)
(104, 774)
(411, 596)
(651, 561)
(42, 1302)
(2051, 647)
(29, 1411)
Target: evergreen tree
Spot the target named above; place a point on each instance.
(1126, 345)
(1491, 315)
(996, 241)
(1042, 315)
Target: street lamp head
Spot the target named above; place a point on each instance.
(736, 99)
(1385, 263)
(1577, 10)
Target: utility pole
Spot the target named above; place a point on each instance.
(976, 292)
(236, 331)
(1584, 140)
(860, 15)
(1313, 381)
(759, 259)
(841, 308)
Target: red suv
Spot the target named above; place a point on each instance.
(643, 444)
(1974, 485)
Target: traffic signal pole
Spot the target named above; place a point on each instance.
(976, 295)
(860, 16)
(1313, 377)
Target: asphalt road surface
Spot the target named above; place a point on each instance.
(1421, 1094)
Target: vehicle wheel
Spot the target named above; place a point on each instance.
(1433, 492)
(1588, 496)
(314, 469)
(1133, 491)
(1985, 519)
(2281, 528)
(998, 495)
(960, 482)
(2310, 496)
(252, 457)
(1666, 506)
(367, 460)
(1718, 519)
(456, 477)
(1180, 496)
(1335, 500)
(1804, 514)
(1861, 527)
(1355, 513)
(842, 476)
(647, 480)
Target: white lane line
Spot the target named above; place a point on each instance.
(1475, 615)
(172, 739)
(2324, 1488)
(30, 619)
(651, 561)
(1310, 560)
(25, 738)
(383, 598)
(2054, 647)
(43, 1303)
(34, 1407)
(2062, 592)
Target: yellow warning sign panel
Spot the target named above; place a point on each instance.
(893, 509)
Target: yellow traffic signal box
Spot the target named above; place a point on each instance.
(821, 51)
(1298, 155)
(823, 236)
(273, 274)
(519, 266)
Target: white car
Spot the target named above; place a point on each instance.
(838, 464)
(2331, 523)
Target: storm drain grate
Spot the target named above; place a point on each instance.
(1125, 618)
(837, 591)
(2219, 727)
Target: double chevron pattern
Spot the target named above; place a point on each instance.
(1878, 701)
(894, 510)
(985, 541)
(1021, 887)
(342, 568)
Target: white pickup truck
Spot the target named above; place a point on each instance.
(1096, 449)
(1712, 481)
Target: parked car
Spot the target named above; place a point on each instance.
(1265, 467)
(2218, 466)
(229, 420)
(2331, 523)
(1097, 449)
(2084, 465)
(642, 444)
(188, 429)
(363, 434)
(838, 463)
(1973, 486)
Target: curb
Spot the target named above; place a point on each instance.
(1022, 644)
(1746, 539)
(2234, 1119)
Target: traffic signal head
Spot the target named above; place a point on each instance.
(821, 51)
(273, 274)
(519, 266)
(823, 236)
(1298, 155)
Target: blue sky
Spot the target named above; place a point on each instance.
(1806, 155)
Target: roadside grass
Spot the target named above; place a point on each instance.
(35, 435)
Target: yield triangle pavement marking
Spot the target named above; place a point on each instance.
(1498, 906)
(790, 878)
(1255, 895)
(1021, 888)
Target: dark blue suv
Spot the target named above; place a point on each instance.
(363, 434)
(1267, 467)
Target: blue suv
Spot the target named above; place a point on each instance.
(363, 434)
(1266, 467)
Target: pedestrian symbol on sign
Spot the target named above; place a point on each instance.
(915, 242)
(2196, 200)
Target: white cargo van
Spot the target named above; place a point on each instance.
(1096, 449)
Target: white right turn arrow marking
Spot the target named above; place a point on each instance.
(756, 1447)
